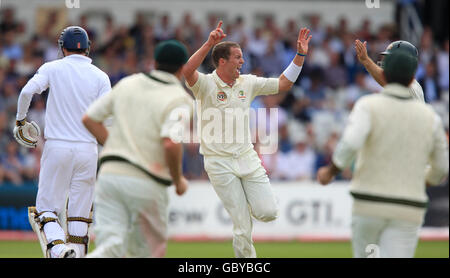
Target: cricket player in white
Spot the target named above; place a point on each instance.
(376, 71)
(394, 138)
(234, 167)
(69, 158)
(141, 157)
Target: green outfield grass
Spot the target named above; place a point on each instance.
(425, 249)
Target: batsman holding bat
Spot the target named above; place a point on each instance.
(69, 158)
(234, 167)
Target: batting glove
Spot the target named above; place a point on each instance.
(27, 134)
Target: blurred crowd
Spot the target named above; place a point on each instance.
(311, 116)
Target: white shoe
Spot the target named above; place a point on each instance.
(76, 249)
(67, 252)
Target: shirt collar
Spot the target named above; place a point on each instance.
(165, 76)
(397, 90)
(79, 57)
(221, 83)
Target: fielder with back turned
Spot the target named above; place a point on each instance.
(141, 157)
(69, 158)
(394, 138)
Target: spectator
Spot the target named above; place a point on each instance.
(86, 26)
(5, 136)
(32, 163)
(257, 44)
(301, 159)
(430, 83)
(10, 96)
(383, 39)
(11, 49)
(12, 163)
(426, 50)
(37, 112)
(240, 31)
(52, 50)
(364, 33)
(284, 141)
(289, 51)
(319, 57)
(325, 154)
(108, 33)
(356, 90)
(316, 91)
(8, 21)
(335, 75)
(248, 64)
(121, 50)
(270, 30)
(193, 163)
(186, 31)
(164, 29)
(272, 64)
(443, 66)
(26, 65)
(317, 30)
(137, 33)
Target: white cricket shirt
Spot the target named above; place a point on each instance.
(146, 108)
(394, 138)
(223, 111)
(74, 84)
(416, 90)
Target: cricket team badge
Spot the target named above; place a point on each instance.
(221, 96)
(242, 95)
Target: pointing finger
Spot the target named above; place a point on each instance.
(220, 24)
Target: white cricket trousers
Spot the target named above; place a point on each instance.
(245, 191)
(383, 237)
(130, 217)
(68, 169)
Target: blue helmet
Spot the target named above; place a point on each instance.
(74, 38)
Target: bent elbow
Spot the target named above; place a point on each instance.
(85, 119)
(168, 144)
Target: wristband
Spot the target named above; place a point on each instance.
(292, 72)
(301, 54)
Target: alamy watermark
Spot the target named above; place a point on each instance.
(226, 126)
(370, 4)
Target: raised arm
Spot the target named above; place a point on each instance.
(190, 69)
(375, 71)
(290, 75)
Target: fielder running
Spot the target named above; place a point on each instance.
(141, 156)
(234, 167)
(393, 137)
(69, 158)
(376, 71)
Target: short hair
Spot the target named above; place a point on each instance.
(77, 51)
(222, 50)
(170, 68)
